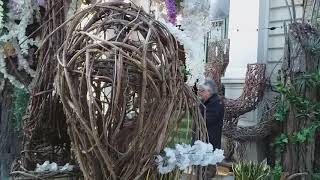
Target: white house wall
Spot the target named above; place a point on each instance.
(243, 35)
(247, 45)
(278, 16)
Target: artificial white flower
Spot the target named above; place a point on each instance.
(171, 154)
(67, 167)
(184, 156)
(199, 150)
(163, 166)
(165, 169)
(217, 156)
(43, 167)
(194, 52)
(53, 167)
(182, 153)
(196, 22)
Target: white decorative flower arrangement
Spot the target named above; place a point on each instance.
(195, 22)
(184, 156)
(21, 13)
(196, 17)
(1, 15)
(194, 52)
(53, 167)
(13, 30)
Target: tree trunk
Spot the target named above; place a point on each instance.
(298, 157)
(316, 163)
(10, 137)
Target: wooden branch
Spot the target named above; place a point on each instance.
(26, 174)
(297, 175)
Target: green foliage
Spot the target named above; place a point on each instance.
(183, 133)
(312, 45)
(281, 88)
(280, 142)
(186, 72)
(310, 80)
(307, 109)
(316, 171)
(299, 102)
(178, 4)
(304, 109)
(282, 112)
(316, 176)
(248, 170)
(304, 134)
(315, 78)
(276, 171)
(20, 102)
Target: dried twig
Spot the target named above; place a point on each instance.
(297, 175)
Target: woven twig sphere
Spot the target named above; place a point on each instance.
(122, 89)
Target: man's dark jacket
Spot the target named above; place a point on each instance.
(214, 119)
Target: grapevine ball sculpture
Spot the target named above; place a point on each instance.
(121, 85)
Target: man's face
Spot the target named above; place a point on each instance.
(204, 94)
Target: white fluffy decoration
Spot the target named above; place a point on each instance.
(23, 11)
(22, 62)
(196, 18)
(1, 15)
(3, 70)
(196, 22)
(184, 156)
(195, 54)
(53, 167)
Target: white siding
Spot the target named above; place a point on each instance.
(282, 3)
(278, 15)
(243, 36)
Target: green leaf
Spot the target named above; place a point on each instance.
(301, 138)
(285, 140)
(279, 116)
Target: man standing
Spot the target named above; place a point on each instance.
(213, 111)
